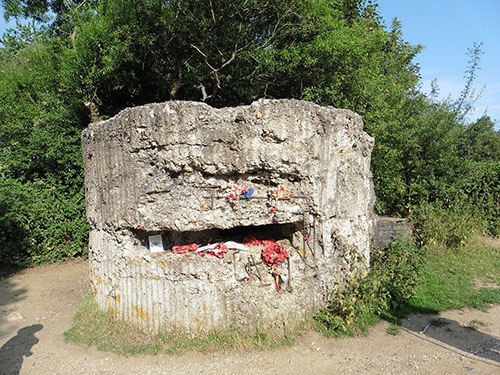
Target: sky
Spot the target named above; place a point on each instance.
(446, 29)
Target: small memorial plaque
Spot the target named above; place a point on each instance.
(156, 243)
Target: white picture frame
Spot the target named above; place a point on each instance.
(156, 243)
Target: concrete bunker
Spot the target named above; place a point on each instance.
(244, 217)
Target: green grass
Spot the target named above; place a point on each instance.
(94, 327)
(448, 279)
(394, 329)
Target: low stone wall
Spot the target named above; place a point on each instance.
(389, 229)
(183, 172)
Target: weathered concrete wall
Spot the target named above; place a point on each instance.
(159, 168)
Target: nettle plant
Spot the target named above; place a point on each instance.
(388, 284)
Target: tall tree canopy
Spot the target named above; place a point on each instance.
(80, 61)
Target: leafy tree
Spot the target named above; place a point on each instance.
(84, 60)
(481, 141)
(41, 179)
(40, 10)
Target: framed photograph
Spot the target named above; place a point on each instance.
(156, 243)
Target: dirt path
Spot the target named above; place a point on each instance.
(37, 305)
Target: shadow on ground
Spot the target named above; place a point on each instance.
(465, 338)
(10, 295)
(13, 352)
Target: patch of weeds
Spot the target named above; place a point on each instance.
(224, 341)
(333, 326)
(389, 283)
(94, 327)
(394, 329)
(475, 324)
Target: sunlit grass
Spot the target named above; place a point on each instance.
(448, 281)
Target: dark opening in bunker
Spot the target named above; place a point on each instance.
(277, 232)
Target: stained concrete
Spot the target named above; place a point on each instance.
(169, 169)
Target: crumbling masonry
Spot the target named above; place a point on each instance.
(178, 176)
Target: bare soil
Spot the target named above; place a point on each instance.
(37, 306)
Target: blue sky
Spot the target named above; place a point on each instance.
(3, 24)
(447, 28)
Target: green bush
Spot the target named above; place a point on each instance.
(482, 187)
(40, 223)
(444, 226)
(390, 283)
(42, 205)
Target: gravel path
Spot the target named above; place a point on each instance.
(37, 306)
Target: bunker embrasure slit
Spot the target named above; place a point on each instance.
(171, 239)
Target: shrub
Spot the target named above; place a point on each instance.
(40, 223)
(444, 226)
(42, 206)
(390, 282)
(482, 186)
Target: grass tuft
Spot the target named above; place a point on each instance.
(476, 324)
(394, 329)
